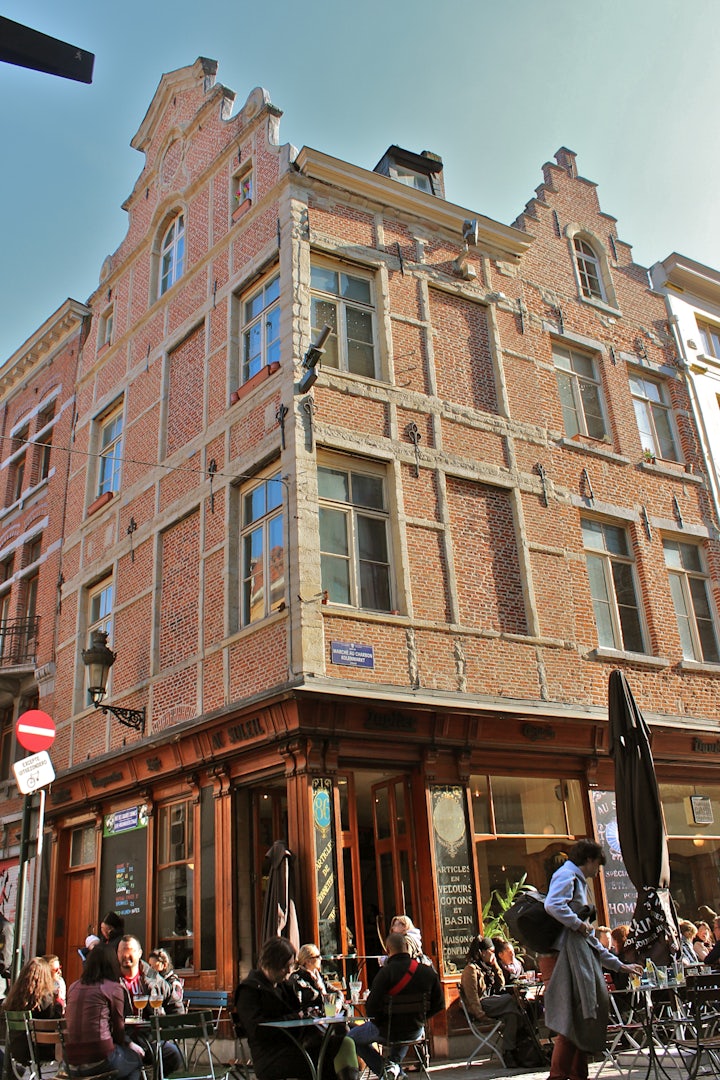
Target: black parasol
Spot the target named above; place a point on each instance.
(641, 826)
(279, 918)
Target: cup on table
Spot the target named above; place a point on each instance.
(355, 988)
(331, 1004)
(635, 981)
(140, 1001)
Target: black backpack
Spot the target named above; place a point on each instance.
(530, 923)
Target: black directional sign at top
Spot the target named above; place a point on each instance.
(29, 48)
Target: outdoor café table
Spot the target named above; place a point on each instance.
(291, 1028)
(661, 1012)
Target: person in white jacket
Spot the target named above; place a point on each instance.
(577, 975)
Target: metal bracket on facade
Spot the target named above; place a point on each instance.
(543, 481)
(646, 521)
(132, 527)
(280, 414)
(309, 407)
(678, 513)
(560, 319)
(400, 258)
(212, 469)
(411, 430)
(586, 489)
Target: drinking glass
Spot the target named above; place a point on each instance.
(355, 991)
(140, 1000)
(330, 1004)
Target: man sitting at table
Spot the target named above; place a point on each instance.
(138, 977)
(401, 977)
(265, 996)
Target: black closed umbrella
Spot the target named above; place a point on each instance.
(641, 826)
(279, 918)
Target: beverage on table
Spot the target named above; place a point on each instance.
(140, 1000)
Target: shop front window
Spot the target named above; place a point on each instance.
(523, 826)
(175, 882)
(692, 822)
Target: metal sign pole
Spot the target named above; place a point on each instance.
(37, 877)
(22, 886)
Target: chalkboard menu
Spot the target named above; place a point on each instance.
(620, 892)
(455, 880)
(123, 876)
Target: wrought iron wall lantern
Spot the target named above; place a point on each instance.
(98, 660)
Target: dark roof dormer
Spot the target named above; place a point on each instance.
(424, 172)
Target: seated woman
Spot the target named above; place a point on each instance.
(33, 991)
(688, 932)
(307, 983)
(160, 960)
(95, 1019)
(403, 924)
(703, 940)
(482, 986)
(511, 967)
(265, 994)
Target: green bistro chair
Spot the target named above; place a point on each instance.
(197, 1027)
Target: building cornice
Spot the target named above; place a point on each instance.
(46, 340)
(682, 273)
(497, 239)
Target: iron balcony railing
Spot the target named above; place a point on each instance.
(18, 641)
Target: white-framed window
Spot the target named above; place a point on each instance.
(242, 187)
(100, 607)
(580, 393)
(653, 415)
(589, 270)
(105, 330)
(691, 599)
(354, 540)
(44, 440)
(263, 549)
(419, 181)
(99, 599)
(172, 253)
(345, 302)
(111, 429)
(261, 332)
(613, 586)
(710, 336)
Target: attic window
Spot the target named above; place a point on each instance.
(419, 181)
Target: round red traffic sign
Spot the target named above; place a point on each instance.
(35, 730)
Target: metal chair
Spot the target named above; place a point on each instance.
(32, 1034)
(196, 1027)
(400, 1010)
(701, 1035)
(485, 1036)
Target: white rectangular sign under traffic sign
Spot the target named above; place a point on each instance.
(34, 772)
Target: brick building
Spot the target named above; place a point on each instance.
(368, 605)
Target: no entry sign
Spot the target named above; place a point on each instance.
(35, 730)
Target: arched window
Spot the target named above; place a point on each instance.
(172, 254)
(589, 270)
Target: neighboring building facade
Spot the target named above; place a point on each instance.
(692, 295)
(371, 613)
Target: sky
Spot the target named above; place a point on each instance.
(493, 86)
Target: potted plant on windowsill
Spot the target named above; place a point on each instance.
(648, 456)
